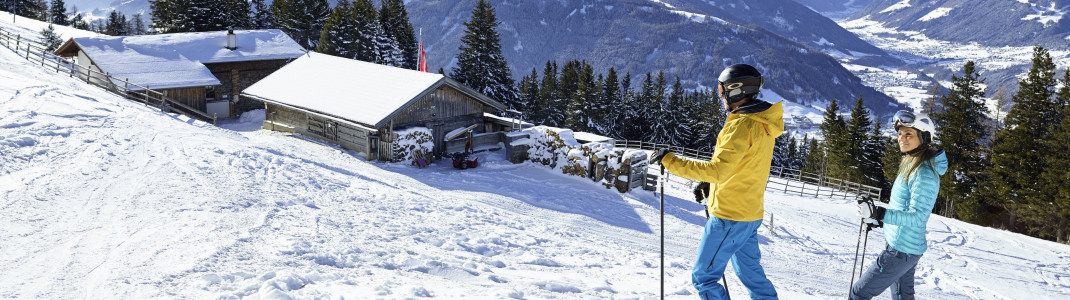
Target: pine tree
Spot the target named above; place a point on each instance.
(77, 21)
(931, 104)
(611, 100)
(815, 157)
(261, 15)
(710, 117)
(137, 25)
(550, 100)
(587, 92)
(480, 64)
(781, 157)
(238, 15)
(648, 107)
(890, 161)
(861, 163)
(599, 114)
(302, 20)
(529, 94)
(395, 22)
(834, 129)
(51, 39)
(57, 13)
(116, 24)
(368, 32)
(963, 131)
(1054, 177)
(873, 166)
(25, 8)
(339, 33)
(681, 132)
(568, 87)
(1017, 159)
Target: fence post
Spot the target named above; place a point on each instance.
(772, 227)
(818, 192)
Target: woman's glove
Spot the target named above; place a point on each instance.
(870, 212)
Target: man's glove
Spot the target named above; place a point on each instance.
(870, 213)
(655, 158)
(702, 191)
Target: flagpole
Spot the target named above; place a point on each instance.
(421, 62)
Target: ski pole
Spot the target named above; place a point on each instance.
(861, 225)
(662, 232)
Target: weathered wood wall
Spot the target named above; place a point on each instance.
(237, 76)
(442, 110)
(194, 96)
(280, 118)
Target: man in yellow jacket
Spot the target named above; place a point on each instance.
(737, 174)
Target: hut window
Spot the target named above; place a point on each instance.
(209, 93)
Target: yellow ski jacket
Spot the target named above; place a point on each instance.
(739, 168)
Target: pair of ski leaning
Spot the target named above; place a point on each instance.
(737, 173)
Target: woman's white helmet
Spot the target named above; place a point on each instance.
(919, 121)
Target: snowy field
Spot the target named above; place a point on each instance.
(104, 198)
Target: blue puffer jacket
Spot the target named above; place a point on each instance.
(911, 203)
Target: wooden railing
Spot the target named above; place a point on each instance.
(36, 53)
(781, 179)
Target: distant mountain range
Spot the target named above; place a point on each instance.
(986, 22)
(691, 39)
(835, 9)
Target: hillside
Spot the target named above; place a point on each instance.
(690, 39)
(104, 198)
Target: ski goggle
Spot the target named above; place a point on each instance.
(903, 118)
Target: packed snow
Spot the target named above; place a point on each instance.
(936, 14)
(104, 198)
(894, 7)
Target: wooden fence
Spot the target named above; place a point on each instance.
(780, 179)
(36, 53)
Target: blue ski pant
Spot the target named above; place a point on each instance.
(726, 240)
(893, 269)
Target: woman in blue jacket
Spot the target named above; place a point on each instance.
(912, 199)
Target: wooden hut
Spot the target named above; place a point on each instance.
(359, 105)
(204, 70)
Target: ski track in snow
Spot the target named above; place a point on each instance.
(104, 198)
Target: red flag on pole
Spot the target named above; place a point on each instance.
(423, 59)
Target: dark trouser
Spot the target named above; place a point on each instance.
(726, 240)
(894, 269)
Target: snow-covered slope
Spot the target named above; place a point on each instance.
(103, 198)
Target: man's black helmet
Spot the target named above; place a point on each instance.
(739, 81)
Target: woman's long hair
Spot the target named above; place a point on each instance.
(913, 160)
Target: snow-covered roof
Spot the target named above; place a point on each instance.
(355, 90)
(590, 137)
(177, 59)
